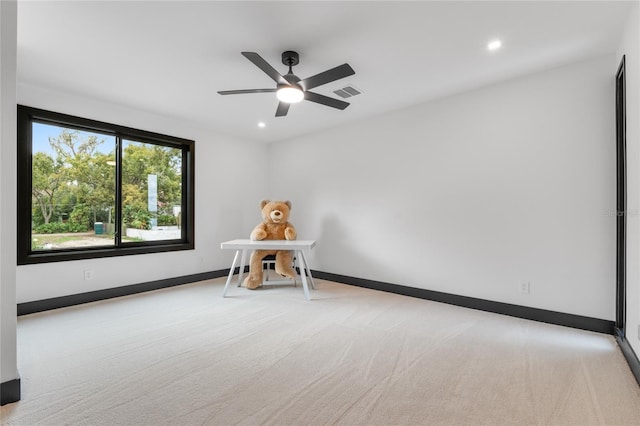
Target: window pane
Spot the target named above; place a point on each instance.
(82, 183)
(151, 192)
(73, 188)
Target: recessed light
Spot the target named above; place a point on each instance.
(262, 124)
(494, 45)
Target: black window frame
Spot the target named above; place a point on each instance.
(26, 117)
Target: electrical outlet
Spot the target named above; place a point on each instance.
(525, 287)
(88, 275)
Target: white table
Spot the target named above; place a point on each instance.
(300, 247)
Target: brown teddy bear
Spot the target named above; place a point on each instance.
(275, 226)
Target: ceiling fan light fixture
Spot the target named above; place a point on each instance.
(290, 94)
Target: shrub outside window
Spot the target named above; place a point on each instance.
(90, 189)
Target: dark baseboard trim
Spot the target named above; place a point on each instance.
(629, 354)
(237, 270)
(10, 392)
(535, 314)
(94, 296)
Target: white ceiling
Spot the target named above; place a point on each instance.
(171, 57)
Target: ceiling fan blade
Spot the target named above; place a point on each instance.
(328, 76)
(283, 109)
(325, 100)
(241, 92)
(264, 66)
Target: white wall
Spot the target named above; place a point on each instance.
(630, 47)
(228, 187)
(471, 194)
(8, 45)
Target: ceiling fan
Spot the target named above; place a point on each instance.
(290, 88)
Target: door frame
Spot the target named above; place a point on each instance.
(621, 200)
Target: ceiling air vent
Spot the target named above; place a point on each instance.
(347, 91)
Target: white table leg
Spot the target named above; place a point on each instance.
(313, 284)
(241, 271)
(233, 267)
(303, 276)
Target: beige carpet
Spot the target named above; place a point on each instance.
(185, 356)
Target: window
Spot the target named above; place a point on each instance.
(89, 189)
